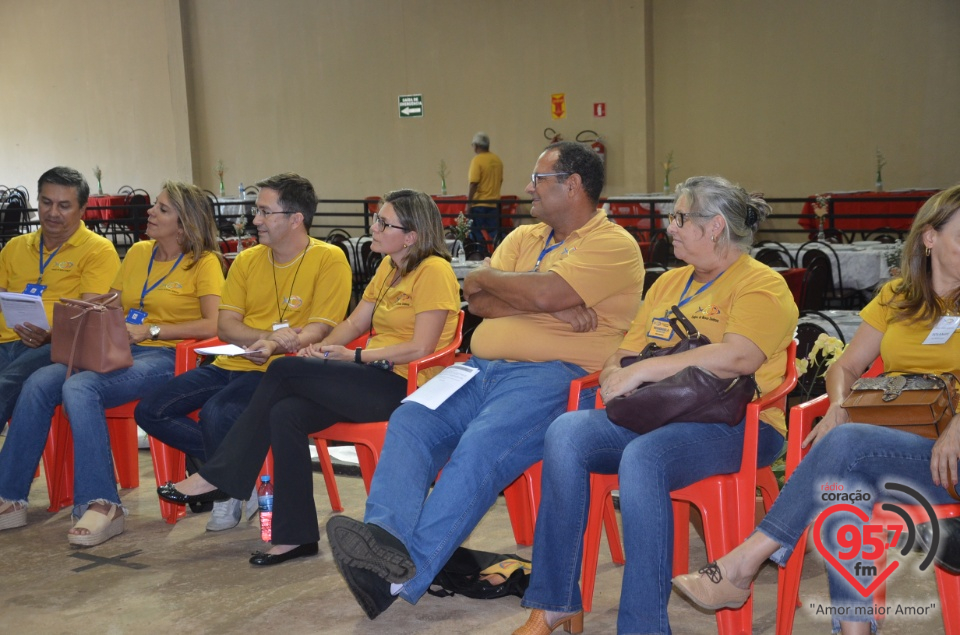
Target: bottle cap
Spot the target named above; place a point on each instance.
(265, 478)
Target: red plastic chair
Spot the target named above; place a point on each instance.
(368, 437)
(727, 505)
(802, 418)
(58, 455)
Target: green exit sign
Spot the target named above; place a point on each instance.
(410, 106)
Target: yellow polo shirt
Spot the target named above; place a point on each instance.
(431, 286)
(85, 263)
(486, 170)
(602, 263)
(749, 299)
(177, 298)
(313, 287)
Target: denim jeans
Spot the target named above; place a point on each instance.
(649, 467)
(487, 218)
(490, 431)
(221, 395)
(85, 396)
(17, 362)
(854, 456)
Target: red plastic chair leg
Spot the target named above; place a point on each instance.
(169, 465)
(523, 499)
(681, 538)
(126, 459)
(601, 492)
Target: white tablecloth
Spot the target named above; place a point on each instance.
(863, 265)
(847, 321)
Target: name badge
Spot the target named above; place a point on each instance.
(35, 289)
(281, 325)
(136, 316)
(941, 333)
(661, 329)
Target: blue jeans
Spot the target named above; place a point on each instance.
(17, 362)
(649, 467)
(487, 218)
(856, 456)
(490, 431)
(221, 395)
(85, 396)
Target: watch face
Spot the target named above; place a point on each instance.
(154, 331)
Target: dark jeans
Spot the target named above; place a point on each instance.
(17, 362)
(221, 395)
(487, 218)
(298, 396)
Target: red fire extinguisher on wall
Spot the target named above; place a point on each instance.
(595, 143)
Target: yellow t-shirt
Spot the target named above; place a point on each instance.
(177, 298)
(902, 347)
(601, 262)
(749, 299)
(431, 286)
(313, 287)
(85, 263)
(486, 170)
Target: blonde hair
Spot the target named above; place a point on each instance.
(418, 212)
(195, 216)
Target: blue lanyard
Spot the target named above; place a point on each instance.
(546, 250)
(143, 294)
(683, 296)
(43, 265)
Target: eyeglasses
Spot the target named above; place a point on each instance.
(381, 224)
(681, 217)
(536, 176)
(265, 213)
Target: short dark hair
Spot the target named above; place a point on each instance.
(578, 158)
(69, 177)
(296, 194)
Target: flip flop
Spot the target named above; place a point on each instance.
(101, 527)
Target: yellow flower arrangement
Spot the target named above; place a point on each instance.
(826, 350)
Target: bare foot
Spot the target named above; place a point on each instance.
(276, 550)
(194, 485)
(100, 508)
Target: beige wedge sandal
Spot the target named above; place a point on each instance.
(102, 527)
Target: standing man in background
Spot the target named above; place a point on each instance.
(486, 177)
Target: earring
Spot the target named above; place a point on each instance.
(928, 252)
(714, 238)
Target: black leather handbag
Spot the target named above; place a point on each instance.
(694, 394)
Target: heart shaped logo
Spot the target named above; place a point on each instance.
(880, 577)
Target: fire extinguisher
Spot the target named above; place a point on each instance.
(596, 143)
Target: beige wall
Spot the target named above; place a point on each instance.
(785, 96)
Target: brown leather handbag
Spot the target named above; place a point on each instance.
(920, 404)
(694, 394)
(90, 335)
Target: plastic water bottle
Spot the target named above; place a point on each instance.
(265, 499)
(242, 192)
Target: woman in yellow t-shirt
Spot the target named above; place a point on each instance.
(169, 287)
(411, 305)
(748, 313)
(911, 324)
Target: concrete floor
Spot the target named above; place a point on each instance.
(160, 578)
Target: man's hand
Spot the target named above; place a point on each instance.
(835, 416)
(32, 335)
(261, 351)
(580, 318)
(470, 282)
(287, 339)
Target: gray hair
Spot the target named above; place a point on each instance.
(712, 196)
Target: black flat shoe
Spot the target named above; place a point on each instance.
(263, 559)
(948, 548)
(170, 493)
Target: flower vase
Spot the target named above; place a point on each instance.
(223, 190)
(821, 236)
(99, 188)
(879, 185)
(461, 258)
(666, 186)
(443, 187)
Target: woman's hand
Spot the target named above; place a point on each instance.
(835, 416)
(620, 381)
(311, 350)
(137, 332)
(337, 353)
(946, 452)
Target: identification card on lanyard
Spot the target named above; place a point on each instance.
(135, 316)
(661, 329)
(35, 289)
(942, 331)
(280, 325)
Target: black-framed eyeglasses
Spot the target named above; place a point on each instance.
(263, 212)
(381, 224)
(536, 176)
(681, 217)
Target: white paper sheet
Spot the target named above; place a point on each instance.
(437, 390)
(20, 307)
(225, 349)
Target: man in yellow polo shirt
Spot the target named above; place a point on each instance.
(557, 298)
(280, 296)
(486, 177)
(62, 259)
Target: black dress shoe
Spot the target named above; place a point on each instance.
(948, 549)
(170, 493)
(356, 544)
(263, 559)
(371, 591)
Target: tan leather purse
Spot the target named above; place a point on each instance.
(920, 404)
(90, 335)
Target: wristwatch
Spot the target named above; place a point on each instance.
(356, 355)
(154, 332)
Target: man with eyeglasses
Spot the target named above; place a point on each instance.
(62, 259)
(280, 296)
(486, 177)
(557, 299)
